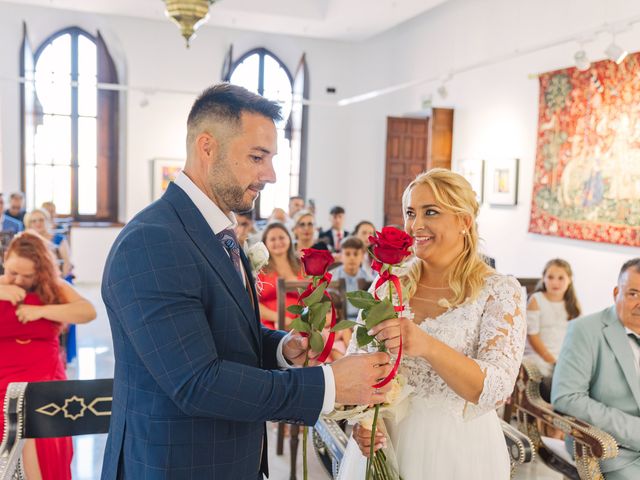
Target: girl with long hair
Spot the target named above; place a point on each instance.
(549, 310)
(35, 302)
(463, 335)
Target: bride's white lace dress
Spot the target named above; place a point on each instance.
(443, 436)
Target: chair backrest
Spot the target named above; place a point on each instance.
(590, 443)
(529, 283)
(51, 409)
(337, 289)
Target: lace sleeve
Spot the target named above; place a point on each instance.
(501, 344)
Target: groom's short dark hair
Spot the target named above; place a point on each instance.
(227, 102)
(219, 108)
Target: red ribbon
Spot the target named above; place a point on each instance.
(328, 346)
(384, 277)
(394, 370)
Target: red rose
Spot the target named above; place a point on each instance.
(391, 245)
(316, 262)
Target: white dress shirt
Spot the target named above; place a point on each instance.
(219, 221)
(635, 348)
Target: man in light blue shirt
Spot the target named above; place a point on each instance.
(9, 224)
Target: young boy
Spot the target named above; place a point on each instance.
(351, 270)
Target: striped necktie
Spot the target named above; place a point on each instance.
(230, 242)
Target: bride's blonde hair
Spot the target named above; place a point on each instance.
(468, 270)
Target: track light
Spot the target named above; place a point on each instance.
(442, 91)
(615, 52)
(582, 62)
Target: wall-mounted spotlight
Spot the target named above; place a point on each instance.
(582, 62)
(442, 91)
(615, 52)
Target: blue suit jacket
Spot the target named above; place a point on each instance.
(193, 376)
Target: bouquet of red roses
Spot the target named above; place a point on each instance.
(389, 248)
(314, 303)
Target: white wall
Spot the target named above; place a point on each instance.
(496, 111)
(495, 107)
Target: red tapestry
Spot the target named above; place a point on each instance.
(587, 171)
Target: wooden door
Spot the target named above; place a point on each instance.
(407, 140)
(413, 146)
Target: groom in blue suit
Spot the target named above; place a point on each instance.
(196, 375)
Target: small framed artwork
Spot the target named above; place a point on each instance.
(473, 171)
(501, 182)
(163, 172)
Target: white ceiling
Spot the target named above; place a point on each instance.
(331, 19)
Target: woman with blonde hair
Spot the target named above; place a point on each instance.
(463, 334)
(34, 305)
(40, 220)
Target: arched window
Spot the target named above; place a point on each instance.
(260, 71)
(70, 143)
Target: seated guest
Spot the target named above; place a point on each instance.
(9, 224)
(597, 374)
(277, 215)
(336, 234)
(283, 263)
(351, 269)
(296, 203)
(304, 232)
(34, 304)
(16, 206)
(363, 231)
(245, 230)
(40, 221)
(550, 308)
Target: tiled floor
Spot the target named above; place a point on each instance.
(95, 360)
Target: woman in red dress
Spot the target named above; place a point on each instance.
(283, 263)
(35, 303)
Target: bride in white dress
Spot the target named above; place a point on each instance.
(461, 350)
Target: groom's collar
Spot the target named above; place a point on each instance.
(215, 217)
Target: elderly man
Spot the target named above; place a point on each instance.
(196, 376)
(597, 375)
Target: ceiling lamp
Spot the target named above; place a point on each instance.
(188, 15)
(582, 62)
(615, 52)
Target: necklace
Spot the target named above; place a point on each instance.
(432, 288)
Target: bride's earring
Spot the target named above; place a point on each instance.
(463, 232)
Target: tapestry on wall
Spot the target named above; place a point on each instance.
(587, 170)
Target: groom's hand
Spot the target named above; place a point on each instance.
(294, 350)
(355, 376)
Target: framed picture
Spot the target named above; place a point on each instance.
(163, 172)
(501, 182)
(473, 171)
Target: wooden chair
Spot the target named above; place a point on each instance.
(337, 290)
(330, 442)
(529, 283)
(51, 409)
(590, 443)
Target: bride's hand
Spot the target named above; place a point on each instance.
(362, 436)
(390, 331)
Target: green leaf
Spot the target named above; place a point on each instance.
(316, 295)
(343, 325)
(379, 312)
(363, 337)
(295, 309)
(318, 314)
(316, 341)
(299, 325)
(360, 299)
